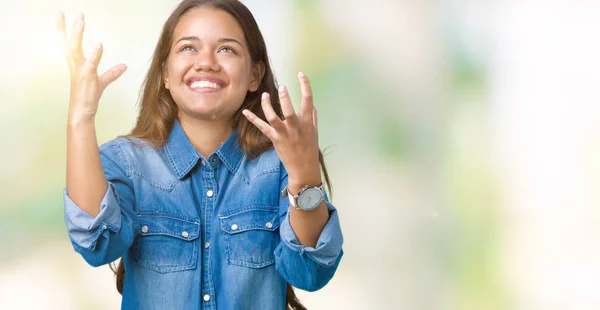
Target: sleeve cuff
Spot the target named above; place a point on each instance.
(83, 228)
(329, 245)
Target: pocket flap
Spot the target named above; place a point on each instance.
(252, 219)
(168, 225)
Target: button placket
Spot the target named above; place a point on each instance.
(208, 204)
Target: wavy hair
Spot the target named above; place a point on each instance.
(158, 111)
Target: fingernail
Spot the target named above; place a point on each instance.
(301, 74)
(80, 19)
(264, 96)
(245, 112)
(281, 88)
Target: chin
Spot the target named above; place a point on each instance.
(202, 107)
(204, 113)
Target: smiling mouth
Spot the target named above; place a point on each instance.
(199, 85)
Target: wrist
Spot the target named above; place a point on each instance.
(294, 187)
(80, 119)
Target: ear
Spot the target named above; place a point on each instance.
(258, 72)
(165, 76)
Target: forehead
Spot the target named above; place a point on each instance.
(205, 22)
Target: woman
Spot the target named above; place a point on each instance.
(215, 199)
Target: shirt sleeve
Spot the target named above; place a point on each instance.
(305, 267)
(106, 237)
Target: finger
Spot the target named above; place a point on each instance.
(94, 60)
(314, 118)
(270, 114)
(286, 104)
(306, 103)
(260, 124)
(59, 25)
(76, 38)
(111, 75)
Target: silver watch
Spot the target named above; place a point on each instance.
(307, 199)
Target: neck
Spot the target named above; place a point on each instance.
(206, 135)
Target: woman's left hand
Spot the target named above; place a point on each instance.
(296, 138)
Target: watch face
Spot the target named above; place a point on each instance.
(309, 199)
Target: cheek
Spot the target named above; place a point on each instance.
(176, 68)
(240, 72)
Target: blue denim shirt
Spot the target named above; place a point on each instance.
(200, 233)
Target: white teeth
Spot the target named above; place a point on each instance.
(205, 84)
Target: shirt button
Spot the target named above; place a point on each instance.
(104, 227)
(206, 245)
(206, 297)
(144, 229)
(185, 234)
(234, 227)
(214, 159)
(269, 225)
(210, 193)
(203, 162)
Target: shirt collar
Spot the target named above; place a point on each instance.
(182, 156)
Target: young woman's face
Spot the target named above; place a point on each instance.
(209, 70)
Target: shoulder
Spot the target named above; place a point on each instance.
(132, 146)
(267, 159)
(266, 163)
(126, 147)
(131, 153)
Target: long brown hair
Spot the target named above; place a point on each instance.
(158, 111)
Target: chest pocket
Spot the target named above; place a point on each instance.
(251, 236)
(166, 243)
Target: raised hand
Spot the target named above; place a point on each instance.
(86, 85)
(296, 138)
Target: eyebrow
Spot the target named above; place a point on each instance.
(221, 40)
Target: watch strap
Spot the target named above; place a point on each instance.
(294, 199)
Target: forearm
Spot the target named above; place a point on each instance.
(308, 225)
(309, 266)
(86, 183)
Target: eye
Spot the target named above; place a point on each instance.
(226, 49)
(187, 48)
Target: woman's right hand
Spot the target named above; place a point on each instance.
(86, 86)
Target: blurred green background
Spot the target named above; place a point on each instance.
(462, 138)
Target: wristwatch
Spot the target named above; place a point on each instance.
(307, 199)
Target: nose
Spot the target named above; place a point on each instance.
(206, 61)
